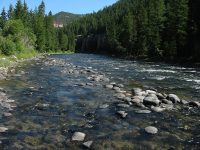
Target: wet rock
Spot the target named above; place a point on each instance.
(113, 83)
(41, 106)
(136, 100)
(151, 130)
(151, 92)
(194, 104)
(109, 86)
(141, 105)
(120, 85)
(104, 106)
(157, 109)
(127, 99)
(165, 101)
(120, 96)
(123, 105)
(123, 114)
(78, 136)
(87, 144)
(136, 91)
(7, 114)
(3, 129)
(167, 106)
(143, 111)
(174, 98)
(184, 102)
(80, 84)
(116, 88)
(151, 100)
(160, 96)
(89, 84)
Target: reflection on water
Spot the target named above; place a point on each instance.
(51, 107)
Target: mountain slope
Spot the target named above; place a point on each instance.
(65, 17)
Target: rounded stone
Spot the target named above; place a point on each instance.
(78, 136)
(151, 130)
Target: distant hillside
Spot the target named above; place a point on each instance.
(65, 17)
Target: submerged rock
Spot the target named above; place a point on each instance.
(123, 114)
(103, 106)
(123, 105)
(78, 136)
(151, 130)
(143, 111)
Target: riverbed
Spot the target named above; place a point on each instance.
(56, 97)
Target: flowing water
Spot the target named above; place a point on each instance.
(51, 107)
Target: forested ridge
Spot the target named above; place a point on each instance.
(159, 29)
(26, 31)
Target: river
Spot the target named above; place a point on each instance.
(52, 105)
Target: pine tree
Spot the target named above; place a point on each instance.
(11, 12)
(18, 12)
(3, 18)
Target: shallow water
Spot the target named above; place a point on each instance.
(74, 108)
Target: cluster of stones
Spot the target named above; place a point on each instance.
(6, 107)
(147, 100)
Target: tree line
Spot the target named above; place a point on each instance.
(159, 29)
(23, 30)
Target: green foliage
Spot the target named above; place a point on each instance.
(7, 47)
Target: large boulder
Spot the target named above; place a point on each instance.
(174, 98)
(151, 100)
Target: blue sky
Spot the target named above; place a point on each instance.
(74, 6)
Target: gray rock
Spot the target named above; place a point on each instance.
(174, 98)
(7, 114)
(184, 102)
(151, 130)
(165, 101)
(123, 105)
(120, 85)
(113, 83)
(136, 100)
(87, 144)
(116, 88)
(123, 114)
(78, 136)
(109, 86)
(143, 111)
(160, 96)
(104, 106)
(151, 92)
(151, 100)
(89, 84)
(120, 96)
(136, 91)
(3, 129)
(194, 104)
(127, 99)
(157, 109)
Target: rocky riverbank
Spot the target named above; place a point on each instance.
(146, 100)
(8, 105)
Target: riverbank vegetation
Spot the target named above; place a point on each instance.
(24, 32)
(161, 29)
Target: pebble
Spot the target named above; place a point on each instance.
(123, 105)
(3, 129)
(78, 136)
(151, 130)
(104, 106)
(123, 114)
(87, 144)
(143, 111)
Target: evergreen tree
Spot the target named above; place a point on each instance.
(3, 18)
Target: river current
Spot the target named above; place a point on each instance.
(51, 105)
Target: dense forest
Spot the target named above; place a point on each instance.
(65, 17)
(24, 31)
(159, 29)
